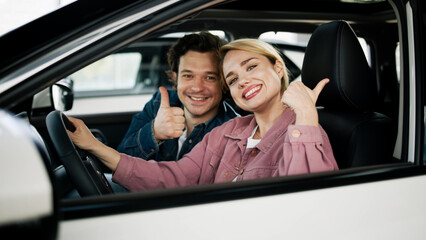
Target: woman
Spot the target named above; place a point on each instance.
(281, 138)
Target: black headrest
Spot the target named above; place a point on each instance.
(334, 52)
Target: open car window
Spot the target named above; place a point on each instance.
(124, 80)
(107, 65)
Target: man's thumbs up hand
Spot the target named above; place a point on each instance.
(164, 97)
(170, 121)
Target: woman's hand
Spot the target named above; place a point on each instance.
(84, 139)
(302, 100)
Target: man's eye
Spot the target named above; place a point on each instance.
(187, 76)
(211, 78)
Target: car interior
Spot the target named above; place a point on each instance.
(359, 135)
(359, 109)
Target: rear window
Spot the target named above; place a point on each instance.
(116, 71)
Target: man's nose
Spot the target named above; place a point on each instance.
(198, 83)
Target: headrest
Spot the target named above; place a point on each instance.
(334, 52)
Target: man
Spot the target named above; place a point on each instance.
(173, 122)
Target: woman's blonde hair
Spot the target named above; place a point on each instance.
(259, 47)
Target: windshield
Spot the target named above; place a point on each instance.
(15, 13)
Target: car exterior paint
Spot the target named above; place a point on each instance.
(385, 202)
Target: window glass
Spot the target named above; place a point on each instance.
(300, 39)
(125, 81)
(366, 49)
(176, 35)
(295, 55)
(297, 58)
(397, 62)
(116, 71)
(138, 69)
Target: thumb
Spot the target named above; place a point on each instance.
(320, 86)
(164, 97)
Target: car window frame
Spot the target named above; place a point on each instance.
(151, 200)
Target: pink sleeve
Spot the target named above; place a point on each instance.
(307, 150)
(137, 174)
(194, 168)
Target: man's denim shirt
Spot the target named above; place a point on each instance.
(139, 140)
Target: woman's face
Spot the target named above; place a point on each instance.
(253, 81)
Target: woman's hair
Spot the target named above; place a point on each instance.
(259, 47)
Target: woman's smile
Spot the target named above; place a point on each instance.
(251, 91)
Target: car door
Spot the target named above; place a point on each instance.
(369, 202)
(348, 204)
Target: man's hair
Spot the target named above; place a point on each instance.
(199, 42)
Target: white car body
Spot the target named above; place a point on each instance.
(362, 211)
(380, 202)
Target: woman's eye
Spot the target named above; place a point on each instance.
(232, 81)
(251, 67)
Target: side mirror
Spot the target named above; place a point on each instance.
(59, 96)
(63, 95)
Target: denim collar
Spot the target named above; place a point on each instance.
(224, 113)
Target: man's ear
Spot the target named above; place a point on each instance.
(174, 76)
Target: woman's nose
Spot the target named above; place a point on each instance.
(243, 81)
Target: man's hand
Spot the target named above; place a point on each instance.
(170, 121)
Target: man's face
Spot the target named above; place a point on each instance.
(198, 85)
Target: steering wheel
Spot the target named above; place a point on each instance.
(80, 165)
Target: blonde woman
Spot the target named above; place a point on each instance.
(282, 137)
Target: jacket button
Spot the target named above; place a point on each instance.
(295, 133)
(253, 153)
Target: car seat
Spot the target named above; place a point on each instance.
(359, 136)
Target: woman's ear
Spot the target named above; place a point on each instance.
(279, 68)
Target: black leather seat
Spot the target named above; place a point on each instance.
(359, 136)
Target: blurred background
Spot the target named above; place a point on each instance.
(15, 13)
